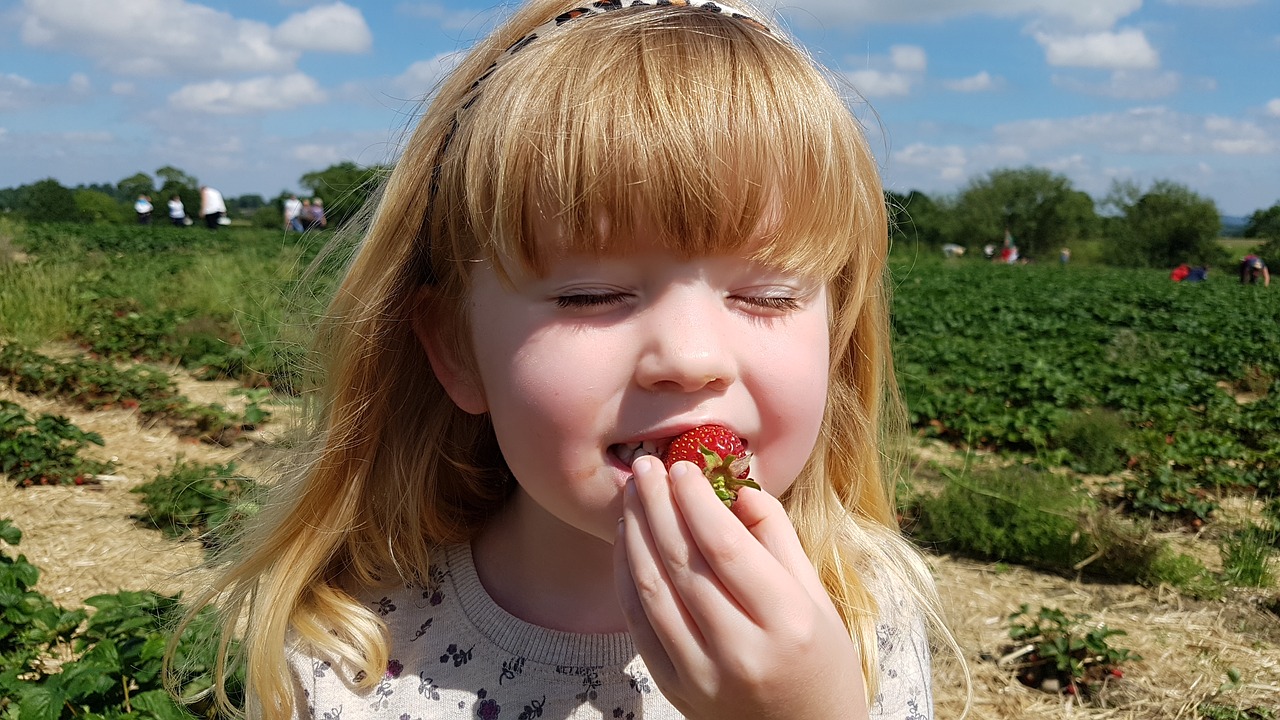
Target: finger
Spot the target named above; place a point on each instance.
(642, 633)
(766, 519)
(756, 580)
(661, 608)
(693, 580)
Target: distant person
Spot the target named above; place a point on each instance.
(1064, 256)
(1198, 274)
(142, 208)
(1253, 269)
(1009, 249)
(1180, 273)
(293, 214)
(177, 211)
(304, 214)
(212, 207)
(952, 250)
(318, 219)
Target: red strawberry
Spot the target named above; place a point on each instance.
(719, 453)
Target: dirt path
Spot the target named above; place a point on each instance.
(85, 541)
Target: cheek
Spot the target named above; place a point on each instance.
(795, 405)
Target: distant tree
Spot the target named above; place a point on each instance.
(918, 218)
(1264, 224)
(137, 184)
(183, 185)
(173, 176)
(247, 203)
(9, 198)
(1040, 209)
(344, 188)
(1165, 226)
(47, 201)
(95, 206)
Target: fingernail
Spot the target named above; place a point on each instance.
(643, 464)
(681, 470)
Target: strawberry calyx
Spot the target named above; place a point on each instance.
(727, 474)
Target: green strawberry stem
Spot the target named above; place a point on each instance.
(723, 473)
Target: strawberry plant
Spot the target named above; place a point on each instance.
(1065, 652)
(33, 629)
(96, 384)
(1170, 496)
(56, 666)
(45, 450)
(194, 500)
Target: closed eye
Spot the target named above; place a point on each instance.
(769, 302)
(589, 300)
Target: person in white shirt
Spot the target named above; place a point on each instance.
(293, 214)
(177, 211)
(212, 207)
(142, 206)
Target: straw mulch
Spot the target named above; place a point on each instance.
(86, 542)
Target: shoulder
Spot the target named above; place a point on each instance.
(905, 659)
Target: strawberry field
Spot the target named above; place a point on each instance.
(1094, 467)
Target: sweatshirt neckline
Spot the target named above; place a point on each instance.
(532, 642)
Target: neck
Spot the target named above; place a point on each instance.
(546, 572)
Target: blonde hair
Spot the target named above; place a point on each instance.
(724, 136)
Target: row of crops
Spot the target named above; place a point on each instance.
(1100, 369)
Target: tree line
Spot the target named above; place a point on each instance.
(344, 187)
(1162, 225)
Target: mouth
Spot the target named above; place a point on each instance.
(627, 453)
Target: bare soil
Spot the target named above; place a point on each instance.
(86, 541)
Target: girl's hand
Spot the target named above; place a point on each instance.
(724, 605)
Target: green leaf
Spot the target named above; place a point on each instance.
(40, 703)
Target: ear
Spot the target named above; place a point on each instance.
(456, 377)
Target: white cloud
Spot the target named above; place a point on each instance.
(1126, 85)
(1083, 14)
(332, 28)
(891, 75)
(256, 95)
(1211, 3)
(1156, 131)
(1122, 50)
(1273, 107)
(947, 162)
(420, 78)
(447, 16)
(875, 83)
(176, 37)
(908, 58)
(20, 93)
(318, 155)
(154, 37)
(974, 83)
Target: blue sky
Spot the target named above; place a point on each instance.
(249, 95)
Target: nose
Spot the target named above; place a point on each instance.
(687, 344)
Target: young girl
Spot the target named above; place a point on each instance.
(614, 223)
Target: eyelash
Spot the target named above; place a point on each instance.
(568, 302)
(571, 302)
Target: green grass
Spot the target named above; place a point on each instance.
(39, 301)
